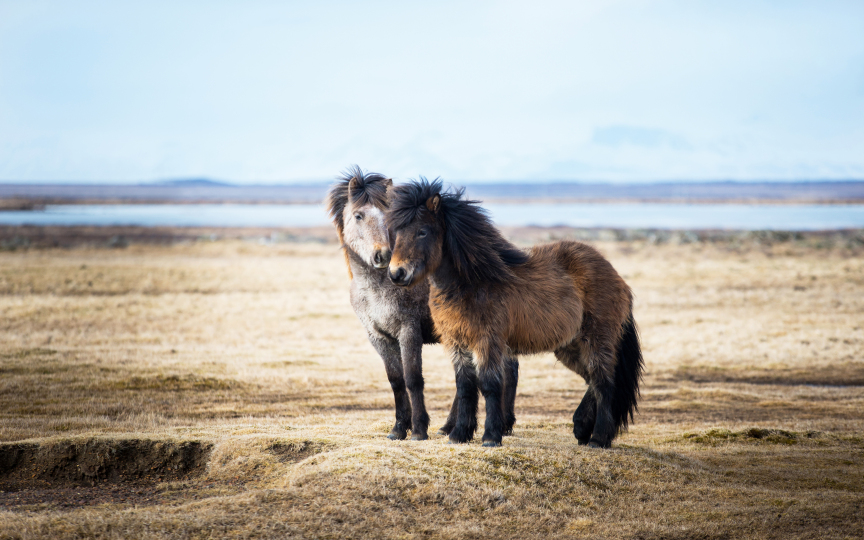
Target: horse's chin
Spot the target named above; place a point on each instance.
(406, 283)
(405, 278)
(403, 284)
(415, 279)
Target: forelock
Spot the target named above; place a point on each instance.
(369, 188)
(476, 248)
(408, 201)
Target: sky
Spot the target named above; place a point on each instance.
(274, 92)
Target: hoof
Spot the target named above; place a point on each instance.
(582, 442)
(419, 437)
(583, 435)
(456, 440)
(491, 444)
(597, 444)
(443, 432)
(395, 436)
(508, 427)
(461, 436)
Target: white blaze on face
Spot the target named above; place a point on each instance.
(366, 235)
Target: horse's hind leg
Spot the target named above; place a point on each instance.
(604, 425)
(602, 367)
(508, 402)
(617, 384)
(388, 349)
(584, 417)
(571, 356)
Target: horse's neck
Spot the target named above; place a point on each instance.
(363, 272)
(447, 281)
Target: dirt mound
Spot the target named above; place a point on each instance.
(715, 437)
(294, 451)
(99, 461)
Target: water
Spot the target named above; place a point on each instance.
(612, 215)
(683, 216)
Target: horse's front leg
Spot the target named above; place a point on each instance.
(450, 423)
(411, 348)
(388, 349)
(465, 404)
(453, 416)
(490, 375)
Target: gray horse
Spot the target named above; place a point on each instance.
(397, 319)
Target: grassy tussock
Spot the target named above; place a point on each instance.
(750, 425)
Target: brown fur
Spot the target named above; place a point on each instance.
(489, 298)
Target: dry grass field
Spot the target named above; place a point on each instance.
(225, 389)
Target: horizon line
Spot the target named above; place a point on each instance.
(216, 183)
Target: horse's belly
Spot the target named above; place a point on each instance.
(544, 330)
(529, 323)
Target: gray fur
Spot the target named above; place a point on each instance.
(398, 323)
(397, 319)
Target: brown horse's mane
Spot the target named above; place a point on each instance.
(369, 188)
(478, 251)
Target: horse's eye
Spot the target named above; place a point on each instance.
(421, 233)
(358, 217)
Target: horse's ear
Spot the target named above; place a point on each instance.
(388, 183)
(353, 184)
(433, 202)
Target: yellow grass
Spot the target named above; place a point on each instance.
(750, 424)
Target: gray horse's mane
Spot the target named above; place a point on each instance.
(362, 188)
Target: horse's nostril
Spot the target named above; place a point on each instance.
(378, 258)
(397, 276)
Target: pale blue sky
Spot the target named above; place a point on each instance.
(258, 91)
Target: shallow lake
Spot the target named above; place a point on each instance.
(612, 215)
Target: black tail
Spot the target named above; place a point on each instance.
(628, 373)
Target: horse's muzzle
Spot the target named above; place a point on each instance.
(381, 258)
(399, 276)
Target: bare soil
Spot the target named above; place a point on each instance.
(94, 462)
(211, 385)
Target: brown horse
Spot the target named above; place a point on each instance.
(493, 300)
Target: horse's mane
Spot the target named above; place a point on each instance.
(368, 188)
(477, 249)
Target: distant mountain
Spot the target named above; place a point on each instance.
(189, 182)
